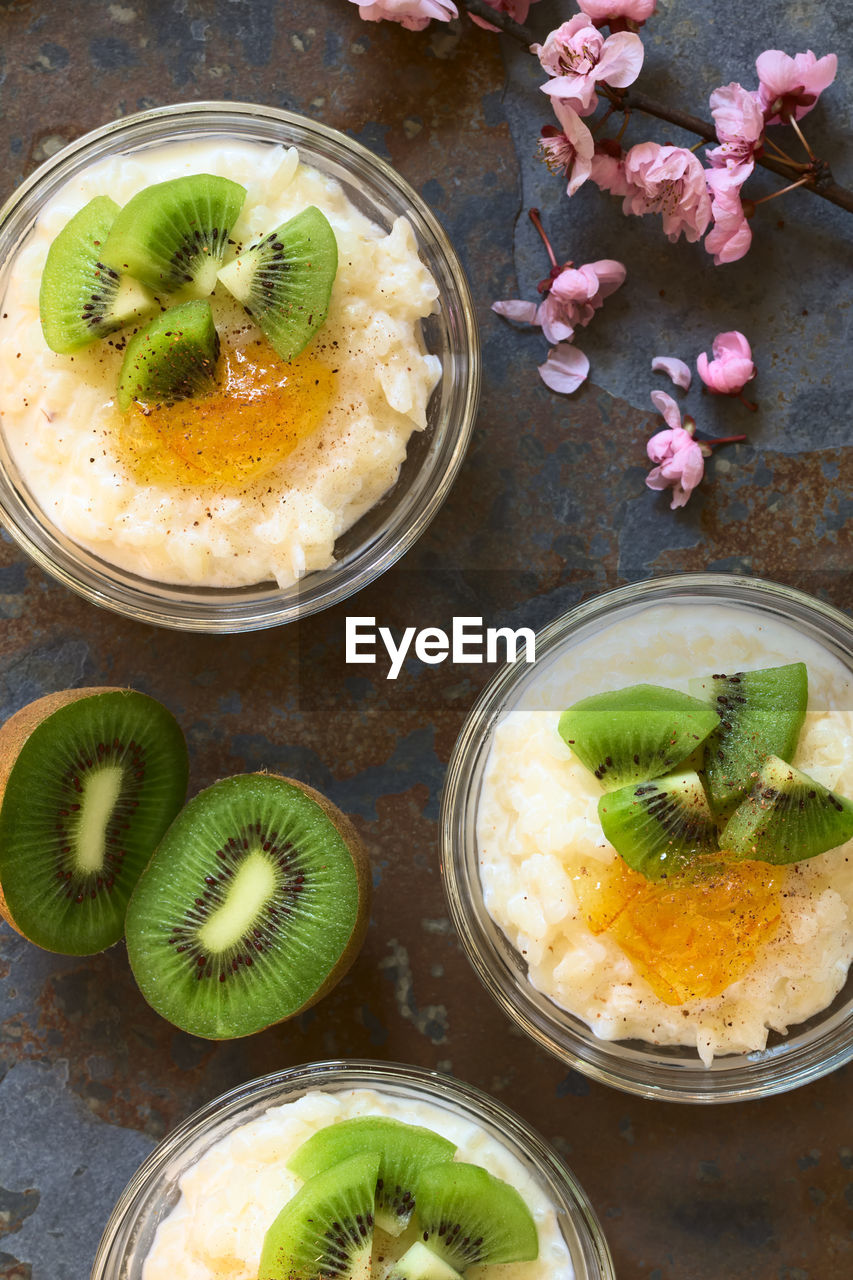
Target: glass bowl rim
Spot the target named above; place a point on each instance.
(359, 1073)
(259, 606)
(762, 1074)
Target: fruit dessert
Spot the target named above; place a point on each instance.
(211, 362)
(358, 1183)
(671, 854)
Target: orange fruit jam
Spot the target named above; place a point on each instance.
(258, 412)
(688, 939)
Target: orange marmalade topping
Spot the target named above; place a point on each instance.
(689, 940)
(259, 411)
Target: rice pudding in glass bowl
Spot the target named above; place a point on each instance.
(521, 843)
(200, 1205)
(399, 349)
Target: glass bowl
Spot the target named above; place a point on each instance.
(433, 457)
(812, 1048)
(153, 1192)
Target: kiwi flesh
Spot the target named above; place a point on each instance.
(325, 1231)
(761, 713)
(468, 1216)
(787, 817)
(173, 235)
(172, 358)
(404, 1149)
(285, 281)
(631, 735)
(80, 297)
(660, 826)
(89, 781)
(420, 1263)
(253, 906)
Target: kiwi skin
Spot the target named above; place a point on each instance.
(14, 734)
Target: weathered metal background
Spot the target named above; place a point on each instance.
(550, 508)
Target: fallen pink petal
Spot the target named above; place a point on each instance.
(676, 370)
(565, 368)
(791, 86)
(412, 14)
(732, 366)
(517, 309)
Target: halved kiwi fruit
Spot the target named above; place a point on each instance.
(80, 297)
(468, 1216)
(173, 235)
(89, 781)
(630, 735)
(285, 281)
(253, 906)
(659, 827)
(325, 1231)
(761, 714)
(787, 817)
(171, 358)
(404, 1149)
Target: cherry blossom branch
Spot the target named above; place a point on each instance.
(503, 21)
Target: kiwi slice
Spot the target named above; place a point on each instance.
(89, 781)
(761, 714)
(325, 1231)
(81, 298)
(466, 1216)
(173, 235)
(660, 826)
(787, 817)
(404, 1149)
(420, 1263)
(253, 906)
(285, 281)
(630, 735)
(171, 358)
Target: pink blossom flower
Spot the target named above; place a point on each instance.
(669, 181)
(739, 120)
(573, 297)
(412, 14)
(516, 9)
(675, 369)
(565, 368)
(602, 12)
(570, 151)
(731, 369)
(607, 167)
(791, 86)
(731, 235)
(578, 56)
(680, 460)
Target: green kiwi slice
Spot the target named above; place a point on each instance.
(80, 297)
(89, 781)
(468, 1216)
(253, 906)
(660, 826)
(761, 714)
(173, 235)
(630, 735)
(420, 1263)
(404, 1149)
(171, 358)
(787, 817)
(325, 1231)
(285, 281)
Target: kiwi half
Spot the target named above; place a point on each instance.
(468, 1216)
(171, 358)
(761, 713)
(285, 281)
(89, 781)
(404, 1149)
(787, 817)
(659, 827)
(253, 906)
(325, 1231)
(630, 735)
(80, 297)
(173, 235)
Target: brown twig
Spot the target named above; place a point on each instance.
(501, 20)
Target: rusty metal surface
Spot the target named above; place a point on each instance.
(550, 508)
